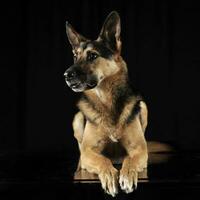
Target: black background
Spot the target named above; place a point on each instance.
(160, 45)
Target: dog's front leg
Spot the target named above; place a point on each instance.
(94, 162)
(136, 159)
(135, 162)
(78, 127)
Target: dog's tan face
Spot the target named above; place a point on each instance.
(94, 60)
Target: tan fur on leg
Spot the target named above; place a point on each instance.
(93, 161)
(136, 160)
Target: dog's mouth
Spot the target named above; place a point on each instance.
(75, 85)
(80, 86)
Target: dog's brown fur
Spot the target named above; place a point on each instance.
(105, 134)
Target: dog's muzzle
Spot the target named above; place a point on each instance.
(79, 81)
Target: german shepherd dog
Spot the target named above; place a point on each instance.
(112, 119)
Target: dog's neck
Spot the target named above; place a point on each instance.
(105, 93)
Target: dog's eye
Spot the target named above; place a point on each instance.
(91, 56)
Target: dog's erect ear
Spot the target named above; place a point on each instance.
(110, 32)
(74, 38)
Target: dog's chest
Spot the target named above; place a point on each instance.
(114, 133)
(113, 138)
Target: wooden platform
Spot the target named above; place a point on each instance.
(82, 176)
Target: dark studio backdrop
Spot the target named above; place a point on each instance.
(160, 45)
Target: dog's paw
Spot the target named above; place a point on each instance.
(128, 180)
(109, 180)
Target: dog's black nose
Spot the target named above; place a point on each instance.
(70, 74)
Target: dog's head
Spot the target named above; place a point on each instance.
(94, 60)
